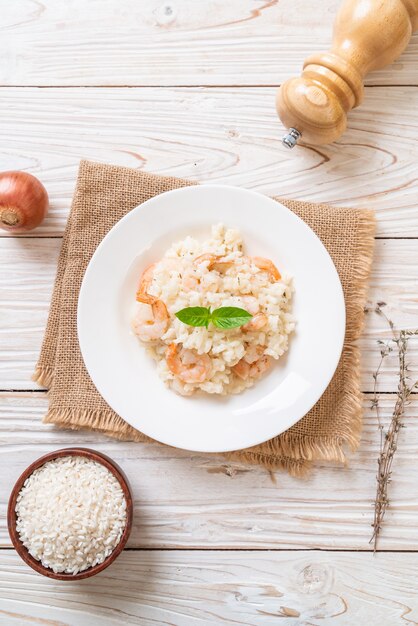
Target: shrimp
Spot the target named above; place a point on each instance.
(150, 322)
(142, 294)
(190, 283)
(241, 369)
(146, 280)
(258, 321)
(211, 258)
(171, 266)
(187, 365)
(215, 261)
(254, 370)
(267, 266)
(250, 304)
(253, 353)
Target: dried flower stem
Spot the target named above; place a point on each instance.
(389, 440)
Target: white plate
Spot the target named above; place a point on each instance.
(126, 376)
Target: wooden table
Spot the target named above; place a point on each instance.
(186, 87)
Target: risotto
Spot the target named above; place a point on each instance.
(214, 273)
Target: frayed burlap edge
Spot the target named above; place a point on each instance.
(114, 426)
(106, 422)
(43, 376)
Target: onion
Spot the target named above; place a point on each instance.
(23, 201)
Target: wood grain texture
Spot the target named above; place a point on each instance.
(166, 42)
(26, 281)
(227, 136)
(191, 500)
(195, 588)
(28, 272)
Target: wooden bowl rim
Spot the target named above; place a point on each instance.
(23, 552)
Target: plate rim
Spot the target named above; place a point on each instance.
(194, 187)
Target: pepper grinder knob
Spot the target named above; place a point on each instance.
(291, 138)
(368, 34)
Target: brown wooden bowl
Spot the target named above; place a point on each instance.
(11, 513)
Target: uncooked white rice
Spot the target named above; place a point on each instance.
(180, 281)
(71, 513)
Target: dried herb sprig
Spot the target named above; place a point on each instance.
(389, 440)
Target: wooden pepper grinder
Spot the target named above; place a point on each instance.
(368, 34)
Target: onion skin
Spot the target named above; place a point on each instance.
(23, 201)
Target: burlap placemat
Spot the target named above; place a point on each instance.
(104, 194)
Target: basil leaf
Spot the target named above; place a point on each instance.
(194, 316)
(225, 317)
(230, 317)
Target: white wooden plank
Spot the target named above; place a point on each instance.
(28, 271)
(183, 42)
(228, 588)
(191, 500)
(26, 281)
(215, 135)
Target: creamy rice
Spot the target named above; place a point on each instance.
(180, 281)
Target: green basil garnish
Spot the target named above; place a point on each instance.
(194, 316)
(225, 317)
